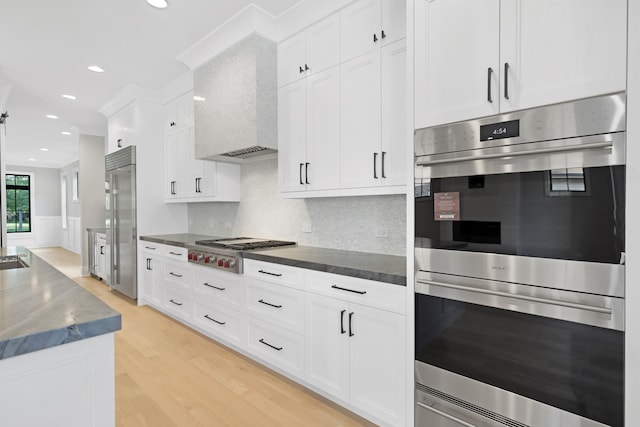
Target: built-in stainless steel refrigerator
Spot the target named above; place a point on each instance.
(120, 193)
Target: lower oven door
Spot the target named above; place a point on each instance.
(518, 351)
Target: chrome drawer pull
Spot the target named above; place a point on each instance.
(174, 274)
(270, 274)
(348, 290)
(269, 345)
(214, 287)
(206, 316)
(176, 303)
(603, 310)
(175, 253)
(269, 304)
(444, 414)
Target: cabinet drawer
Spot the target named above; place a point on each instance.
(280, 305)
(370, 293)
(220, 321)
(175, 253)
(274, 273)
(282, 348)
(179, 274)
(155, 248)
(178, 303)
(218, 286)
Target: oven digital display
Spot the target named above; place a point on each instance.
(501, 130)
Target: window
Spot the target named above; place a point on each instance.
(18, 203)
(75, 196)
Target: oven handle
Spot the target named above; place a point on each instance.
(588, 146)
(444, 414)
(603, 310)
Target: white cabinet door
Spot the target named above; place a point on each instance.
(291, 59)
(377, 368)
(394, 21)
(292, 136)
(327, 345)
(323, 130)
(171, 165)
(360, 132)
(359, 28)
(561, 50)
(323, 45)
(393, 168)
(457, 64)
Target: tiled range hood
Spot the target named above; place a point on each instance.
(235, 102)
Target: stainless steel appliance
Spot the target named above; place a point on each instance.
(520, 268)
(226, 253)
(120, 192)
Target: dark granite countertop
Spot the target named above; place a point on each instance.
(180, 240)
(382, 268)
(43, 308)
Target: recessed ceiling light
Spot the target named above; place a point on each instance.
(44, 149)
(64, 132)
(69, 97)
(32, 160)
(96, 69)
(52, 116)
(198, 98)
(160, 4)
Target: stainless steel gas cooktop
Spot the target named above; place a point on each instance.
(226, 253)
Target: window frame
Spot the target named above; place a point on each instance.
(31, 202)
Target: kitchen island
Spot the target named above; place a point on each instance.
(56, 347)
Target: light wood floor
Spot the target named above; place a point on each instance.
(169, 375)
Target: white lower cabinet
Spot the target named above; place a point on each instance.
(222, 321)
(341, 336)
(357, 353)
(278, 346)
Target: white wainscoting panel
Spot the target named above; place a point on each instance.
(46, 233)
(71, 237)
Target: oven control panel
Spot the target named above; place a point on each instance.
(215, 260)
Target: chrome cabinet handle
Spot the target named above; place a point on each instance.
(444, 414)
(578, 306)
(591, 146)
(175, 253)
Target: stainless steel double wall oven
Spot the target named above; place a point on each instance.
(520, 252)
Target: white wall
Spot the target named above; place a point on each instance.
(45, 215)
(71, 236)
(348, 223)
(92, 194)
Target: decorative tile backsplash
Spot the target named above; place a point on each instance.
(367, 223)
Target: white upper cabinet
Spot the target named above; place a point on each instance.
(309, 52)
(188, 179)
(309, 133)
(373, 119)
(555, 51)
(476, 58)
(121, 128)
(369, 24)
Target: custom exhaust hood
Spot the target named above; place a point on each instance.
(236, 102)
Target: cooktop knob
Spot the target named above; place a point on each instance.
(232, 263)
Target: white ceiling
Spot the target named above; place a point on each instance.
(46, 47)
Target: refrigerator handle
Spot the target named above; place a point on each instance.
(115, 270)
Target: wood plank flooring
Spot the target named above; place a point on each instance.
(168, 375)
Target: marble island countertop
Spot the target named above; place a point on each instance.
(379, 267)
(41, 308)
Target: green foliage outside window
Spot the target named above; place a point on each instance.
(18, 203)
